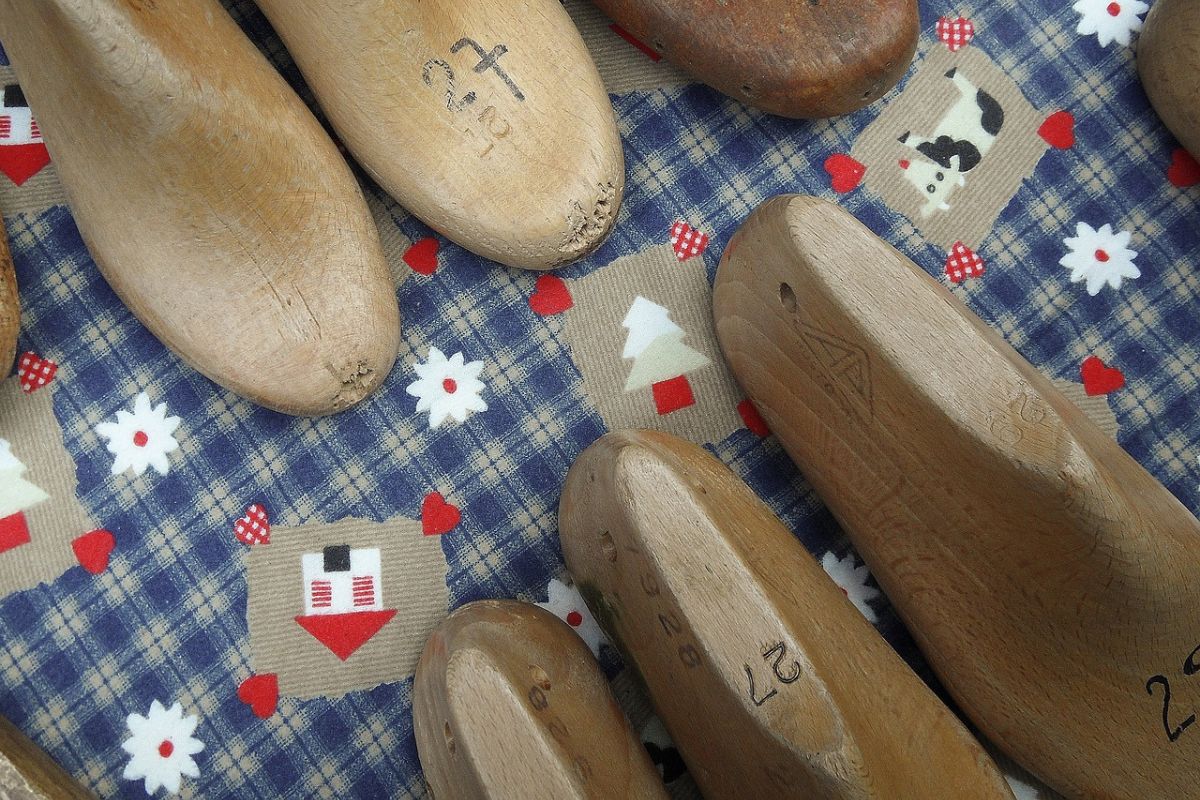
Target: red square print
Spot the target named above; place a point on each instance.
(14, 532)
(672, 395)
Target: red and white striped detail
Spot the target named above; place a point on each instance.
(5, 127)
(363, 590)
(322, 594)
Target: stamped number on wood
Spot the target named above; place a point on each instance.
(438, 75)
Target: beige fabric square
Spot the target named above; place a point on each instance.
(411, 579)
(622, 67)
(47, 476)
(656, 294)
(956, 119)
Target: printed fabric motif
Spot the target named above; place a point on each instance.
(161, 746)
(44, 531)
(337, 607)
(28, 181)
(952, 150)
(641, 333)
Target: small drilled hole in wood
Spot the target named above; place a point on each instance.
(748, 90)
(540, 678)
(608, 546)
(787, 298)
(449, 738)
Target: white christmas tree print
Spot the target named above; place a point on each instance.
(16, 493)
(655, 344)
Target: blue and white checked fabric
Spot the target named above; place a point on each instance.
(167, 620)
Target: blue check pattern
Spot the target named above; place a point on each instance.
(167, 620)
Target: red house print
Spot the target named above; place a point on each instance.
(343, 597)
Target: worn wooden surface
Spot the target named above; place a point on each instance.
(10, 306)
(770, 681)
(486, 120)
(209, 196)
(27, 773)
(1048, 578)
(509, 704)
(817, 58)
(1168, 61)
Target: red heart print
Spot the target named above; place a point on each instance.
(955, 33)
(1059, 130)
(261, 693)
(962, 262)
(1184, 170)
(438, 516)
(253, 528)
(92, 550)
(687, 241)
(846, 172)
(422, 256)
(34, 372)
(1100, 379)
(752, 419)
(550, 296)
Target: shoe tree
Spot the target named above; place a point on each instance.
(10, 306)
(819, 58)
(27, 773)
(1048, 578)
(1168, 61)
(488, 121)
(209, 196)
(770, 681)
(509, 704)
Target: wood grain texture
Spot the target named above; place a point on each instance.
(509, 704)
(1048, 578)
(10, 306)
(770, 681)
(27, 773)
(817, 58)
(488, 121)
(209, 196)
(1168, 61)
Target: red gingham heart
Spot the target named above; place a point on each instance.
(34, 372)
(687, 241)
(254, 528)
(955, 33)
(962, 262)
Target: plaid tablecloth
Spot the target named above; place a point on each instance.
(169, 616)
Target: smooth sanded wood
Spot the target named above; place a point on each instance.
(1048, 578)
(770, 681)
(10, 306)
(209, 196)
(27, 773)
(1168, 61)
(488, 121)
(796, 58)
(509, 704)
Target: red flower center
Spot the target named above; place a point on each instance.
(450, 386)
(140, 438)
(166, 748)
(574, 619)
(1114, 9)
(1101, 256)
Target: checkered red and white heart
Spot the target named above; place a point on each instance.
(962, 262)
(955, 33)
(34, 372)
(253, 528)
(687, 241)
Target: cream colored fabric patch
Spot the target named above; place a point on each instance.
(34, 441)
(657, 310)
(385, 211)
(622, 66)
(340, 579)
(1095, 408)
(952, 118)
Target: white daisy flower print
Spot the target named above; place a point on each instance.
(1099, 257)
(161, 747)
(142, 439)
(567, 604)
(1111, 20)
(447, 388)
(853, 581)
